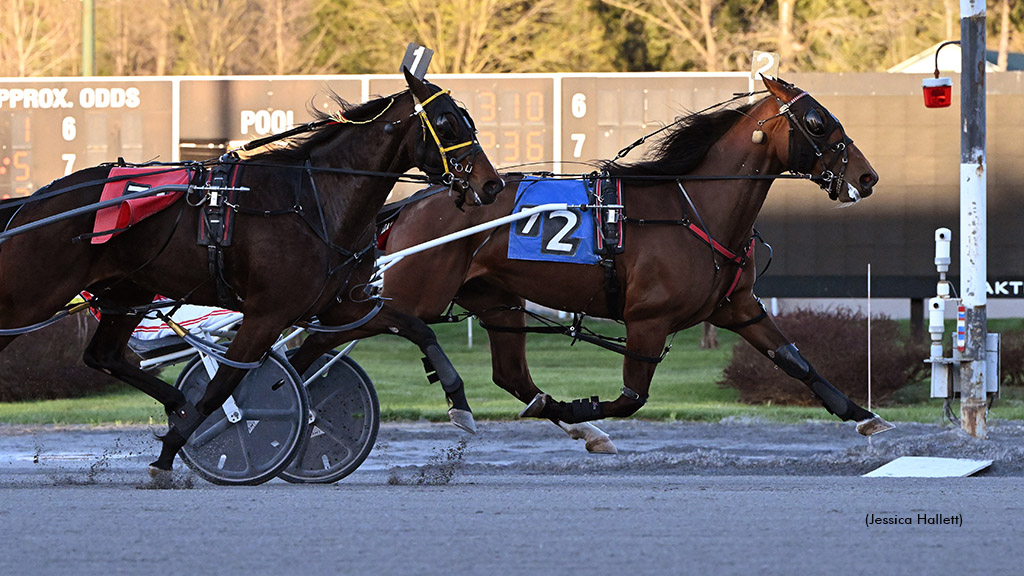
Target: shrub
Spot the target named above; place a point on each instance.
(1011, 358)
(47, 364)
(835, 343)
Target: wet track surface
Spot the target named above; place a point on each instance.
(520, 497)
(45, 455)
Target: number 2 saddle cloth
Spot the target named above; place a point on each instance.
(576, 235)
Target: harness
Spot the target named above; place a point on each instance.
(216, 225)
(606, 194)
(700, 230)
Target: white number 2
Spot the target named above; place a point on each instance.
(556, 244)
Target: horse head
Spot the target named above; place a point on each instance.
(817, 145)
(447, 149)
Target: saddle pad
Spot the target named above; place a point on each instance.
(556, 236)
(130, 212)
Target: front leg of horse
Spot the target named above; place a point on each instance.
(789, 359)
(440, 368)
(745, 316)
(184, 420)
(390, 321)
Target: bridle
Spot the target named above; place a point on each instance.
(451, 163)
(801, 162)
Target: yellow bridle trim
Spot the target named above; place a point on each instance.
(425, 120)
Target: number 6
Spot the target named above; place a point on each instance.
(67, 129)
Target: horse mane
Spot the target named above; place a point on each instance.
(300, 146)
(683, 147)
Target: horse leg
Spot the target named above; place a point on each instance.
(766, 337)
(391, 321)
(254, 339)
(105, 353)
(509, 368)
(644, 340)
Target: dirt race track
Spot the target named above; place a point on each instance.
(521, 498)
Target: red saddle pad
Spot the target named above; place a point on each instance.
(131, 212)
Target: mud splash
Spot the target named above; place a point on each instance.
(440, 469)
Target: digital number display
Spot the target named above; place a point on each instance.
(601, 115)
(15, 156)
(50, 129)
(514, 115)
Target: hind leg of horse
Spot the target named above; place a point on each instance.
(105, 352)
(644, 339)
(765, 336)
(509, 367)
(391, 321)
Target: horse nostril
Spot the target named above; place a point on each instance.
(492, 187)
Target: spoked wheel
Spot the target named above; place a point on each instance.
(262, 426)
(344, 420)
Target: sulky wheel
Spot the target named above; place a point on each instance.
(344, 419)
(259, 430)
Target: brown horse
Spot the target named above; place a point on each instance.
(688, 219)
(303, 245)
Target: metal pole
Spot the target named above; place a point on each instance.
(88, 38)
(973, 206)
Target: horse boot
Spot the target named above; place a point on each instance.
(439, 368)
(584, 409)
(182, 422)
(793, 363)
(580, 410)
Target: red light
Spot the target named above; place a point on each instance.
(938, 92)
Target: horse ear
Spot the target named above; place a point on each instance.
(415, 84)
(777, 88)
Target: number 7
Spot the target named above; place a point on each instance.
(69, 165)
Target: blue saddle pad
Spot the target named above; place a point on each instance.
(556, 236)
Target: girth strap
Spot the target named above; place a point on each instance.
(216, 224)
(606, 194)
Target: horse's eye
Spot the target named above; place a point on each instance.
(814, 122)
(447, 127)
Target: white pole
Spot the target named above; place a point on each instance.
(869, 339)
(524, 213)
(973, 207)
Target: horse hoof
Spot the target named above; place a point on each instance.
(871, 426)
(601, 446)
(535, 407)
(462, 419)
(597, 441)
(156, 473)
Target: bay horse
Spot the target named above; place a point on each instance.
(302, 249)
(687, 225)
